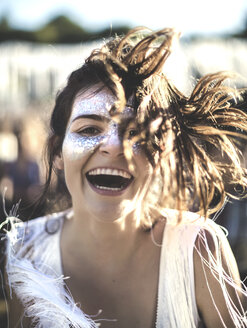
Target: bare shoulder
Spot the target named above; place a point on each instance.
(217, 283)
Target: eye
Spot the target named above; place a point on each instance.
(89, 131)
(132, 132)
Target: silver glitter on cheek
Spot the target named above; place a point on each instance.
(75, 146)
(137, 148)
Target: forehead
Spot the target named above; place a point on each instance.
(95, 102)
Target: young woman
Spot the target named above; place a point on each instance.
(136, 248)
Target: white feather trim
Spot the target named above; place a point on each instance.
(214, 263)
(176, 302)
(41, 292)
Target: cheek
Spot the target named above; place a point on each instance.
(76, 151)
(143, 165)
(137, 149)
(76, 147)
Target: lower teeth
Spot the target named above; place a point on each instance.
(107, 188)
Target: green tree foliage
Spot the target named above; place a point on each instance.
(243, 32)
(4, 24)
(59, 30)
(7, 33)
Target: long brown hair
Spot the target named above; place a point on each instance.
(191, 141)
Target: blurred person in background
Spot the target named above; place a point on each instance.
(8, 154)
(21, 173)
(133, 151)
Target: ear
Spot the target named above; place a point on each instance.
(58, 162)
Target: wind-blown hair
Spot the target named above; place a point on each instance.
(190, 141)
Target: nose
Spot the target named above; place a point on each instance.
(112, 144)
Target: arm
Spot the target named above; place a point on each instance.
(211, 300)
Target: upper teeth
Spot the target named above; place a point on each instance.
(108, 171)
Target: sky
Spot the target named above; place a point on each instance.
(188, 16)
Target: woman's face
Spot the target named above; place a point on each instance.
(96, 170)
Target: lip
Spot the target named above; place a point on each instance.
(105, 192)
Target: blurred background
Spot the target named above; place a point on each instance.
(41, 42)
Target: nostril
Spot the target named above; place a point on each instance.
(112, 145)
(112, 149)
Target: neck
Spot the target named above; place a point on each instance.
(116, 238)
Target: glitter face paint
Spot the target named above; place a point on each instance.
(94, 140)
(77, 145)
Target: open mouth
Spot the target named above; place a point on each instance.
(107, 179)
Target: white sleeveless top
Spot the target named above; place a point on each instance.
(34, 271)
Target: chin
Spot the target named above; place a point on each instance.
(106, 212)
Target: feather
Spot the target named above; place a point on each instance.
(37, 285)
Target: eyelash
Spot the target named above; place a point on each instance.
(89, 130)
(93, 131)
(132, 133)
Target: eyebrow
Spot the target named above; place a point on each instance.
(95, 117)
